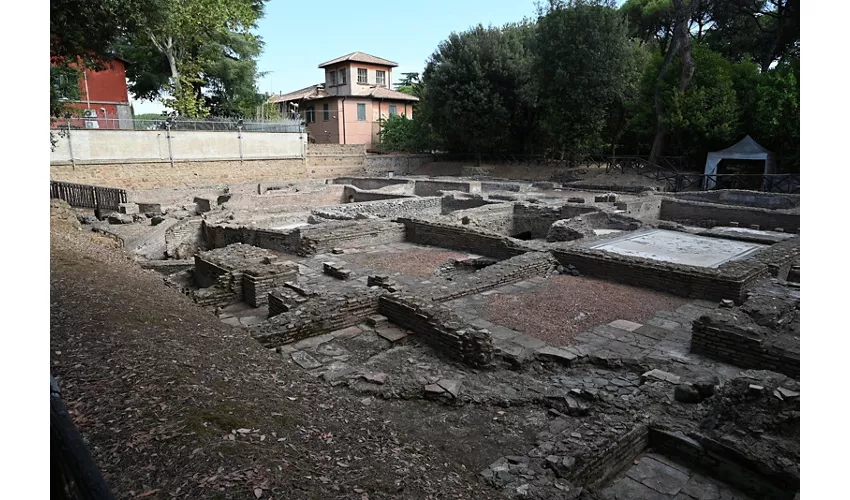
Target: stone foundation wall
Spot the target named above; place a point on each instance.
(729, 281)
(780, 257)
(710, 215)
(745, 198)
(317, 316)
(256, 286)
(462, 238)
(726, 342)
(438, 327)
(398, 164)
(370, 183)
(386, 208)
(718, 460)
(435, 188)
(184, 239)
(643, 209)
(538, 219)
(451, 203)
(521, 267)
(324, 237)
(601, 465)
(350, 192)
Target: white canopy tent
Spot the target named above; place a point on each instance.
(746, 149)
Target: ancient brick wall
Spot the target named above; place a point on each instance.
(601, 461)
(719, 460)
(184, 238)
(780, 257)
(256, 285)
(643, 208)
(438, 327)
(398, 164)
(710, 215)
(370, 183)
(538, 219)
(725, 342)
(521, 267)
(462, 238)
(386, 208)
(729, 281)
(317, 316)
(326, 236)
(435, 188)
(499, 186)
(351, 193)
(451, 203)
(744, 198)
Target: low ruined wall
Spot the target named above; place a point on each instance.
(538, 219)
(352, 194)
(461, 238)
(307, 240)
(438, 327)
(256, 285)
(388, 208)
(371, 183)
(644, 208)
(499, 186)
(327, 236)
(729, 281)
(521, 267)
(398, 164)
(744, 198)
(451, 203)
(718, 460)
(726, 342)
(710, 215)
(318, 316)
(184, 238)
(598, 465)
(435, 188)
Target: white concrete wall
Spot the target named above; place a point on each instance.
(152, 145)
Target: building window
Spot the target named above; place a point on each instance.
(332, 77)
(361, 111)
(326, 114)
(311, 114)
(381, 77)
(362, 75)
(342, 77)
(393, 110)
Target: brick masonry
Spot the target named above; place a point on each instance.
(462, 238)
(317, 316)
(727, 342)
(391, 209)
(729, 281)
(710, 215)
(440, 328)
(521, 267)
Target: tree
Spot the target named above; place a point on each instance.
(190, 46)
(765, 30)
(706, 116)
(680, 44)
(477, 90)
(582, 55)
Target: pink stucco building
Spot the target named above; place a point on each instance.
(348, 106)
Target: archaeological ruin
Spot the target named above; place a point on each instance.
(655, 333)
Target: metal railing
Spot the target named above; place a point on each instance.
(290, 123)
(84, 196)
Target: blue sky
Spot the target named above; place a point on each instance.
(299, 36)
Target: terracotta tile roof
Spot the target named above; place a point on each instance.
(307, 92)
(360, 57)
(385, 93)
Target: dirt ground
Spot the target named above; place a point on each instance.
(563, 306)
(176, 404)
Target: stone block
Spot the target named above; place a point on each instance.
(128, 208)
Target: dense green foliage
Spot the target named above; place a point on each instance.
(581, 79)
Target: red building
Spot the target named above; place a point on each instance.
(104, 102)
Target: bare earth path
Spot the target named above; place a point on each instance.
(175, 404)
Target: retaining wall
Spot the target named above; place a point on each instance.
(438, 327)
(729, 281)
(710, 215)
(398, 164)
(462, 238)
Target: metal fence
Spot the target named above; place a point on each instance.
(84, 196)
(289, 123)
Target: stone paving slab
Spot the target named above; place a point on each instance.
(625, 325)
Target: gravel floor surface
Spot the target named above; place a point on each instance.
(563, 306)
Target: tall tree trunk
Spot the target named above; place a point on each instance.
(680, 41)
